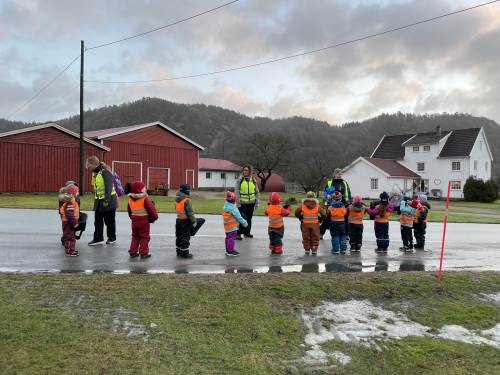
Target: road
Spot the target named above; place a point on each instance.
(30, 243)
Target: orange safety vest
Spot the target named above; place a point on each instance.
(356, 217)
(275, 217)
(137, 207)
(76, 210)
(384, 218)
(417, 215)
(230, 222)
(310, 215)
(180, 209)
(337, 213)
(406, 219)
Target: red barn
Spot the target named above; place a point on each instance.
(152, 152)
(41, 158)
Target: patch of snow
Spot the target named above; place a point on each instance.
(342, 358)
(459, 333)
(493, 334)
(495, 297)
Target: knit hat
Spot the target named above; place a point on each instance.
(230, 197)
(414, 203)
(137, 187)
(72, 190)
(337, 170)
(337, 196)
(274, 198)
(69, 182)
(422, 198)
(185, 188)
(357, 198)
(310, 194)
(384, 198)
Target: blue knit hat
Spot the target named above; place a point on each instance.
(185, 188)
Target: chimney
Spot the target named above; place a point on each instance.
(438, 130)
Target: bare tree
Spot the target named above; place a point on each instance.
(309, 168)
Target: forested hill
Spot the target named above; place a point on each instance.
(221, 130)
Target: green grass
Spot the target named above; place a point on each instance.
(460, 212)
(227, 324)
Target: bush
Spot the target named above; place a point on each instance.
(480, 191)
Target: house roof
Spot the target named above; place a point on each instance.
(391, 147)
(107, 133)
(55, 126)
(207, 164)
(426, 138)
(460, 142)
(392, 168)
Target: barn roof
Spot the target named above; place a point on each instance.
(55, 126)
(208, 164)
(108, 133)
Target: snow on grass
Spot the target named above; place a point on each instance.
(495, 297)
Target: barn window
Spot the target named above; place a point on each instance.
(208, 175)
(420, 167)
(456, 166)
(456, 185)
(223, 175)
(374, 183)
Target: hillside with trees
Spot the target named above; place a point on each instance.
(315, 147)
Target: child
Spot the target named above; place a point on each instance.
(356, 211)
(185, 222)
(232, 220)
(276, 227)
(408, 209)
(70, 212)
(308, 213)
(62, 191)
(420, 222)
(381, 214)
(337, 212)
(142, 212)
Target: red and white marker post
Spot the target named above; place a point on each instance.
(440, 275)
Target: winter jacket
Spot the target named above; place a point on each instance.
(237, 190)
(275, 212)
(148, 206)
(310, 203)
(407, 214)
(232, 209)
(356, 212)
(110, 201)
(188, 208)
(70, 211)
(338, 185)
(336, 210)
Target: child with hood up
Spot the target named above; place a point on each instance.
(420, 222)
(185, 221)
(70, 212)
(408, 210)
(276, 228)
(380, 214)
(232, 219)
(142, 212)
(309, 214)
(337, 213)
(356, 211)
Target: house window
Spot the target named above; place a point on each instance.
(427, 148)
(208, 175)
(456, 166)
(374, 183)
(236, 176)
(456, 185)
(420, 167)
(416, 148)
(223, 175)
(475, 165)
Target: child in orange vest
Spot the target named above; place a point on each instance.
(337, 213)
(142, 212)
(276, 228)
(70, 212)
(308, 213)
(232, 220)
(408, 209)
(420, 223)
(185, 223)
(380, 214)
(356, 211)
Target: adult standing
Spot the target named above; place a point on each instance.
(105, 202)
(337, 183)
(247, 199)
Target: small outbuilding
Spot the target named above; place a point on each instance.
(217, 174)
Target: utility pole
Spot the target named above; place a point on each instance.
(82, 174)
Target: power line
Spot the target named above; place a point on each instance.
(352, 41)
(44, 87)
(162, 27)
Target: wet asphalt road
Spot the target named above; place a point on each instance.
(29, 242)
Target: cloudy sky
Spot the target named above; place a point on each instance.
(447, 66)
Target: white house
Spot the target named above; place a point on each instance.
(217, 174)
(430, 161)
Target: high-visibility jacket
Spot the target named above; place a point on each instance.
(230, 222)
(345, 196)
(137, 207)
(180, 209)
(274, 212)
(422, 211)
(310, 215)
(100, 186)
(356, 217)
(247, 190)
(406, 219)
(337, 213)
(74, 207)
(382, 218)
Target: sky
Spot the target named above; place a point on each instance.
(450, 65)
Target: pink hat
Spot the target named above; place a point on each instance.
(72, 190)
(137, 187)
(357, 198)
(230, 197)
(274, 198)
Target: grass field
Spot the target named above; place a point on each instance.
(230, 324)
(211, 203)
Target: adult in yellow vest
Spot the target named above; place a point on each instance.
(333, 185)
(247, 199)
(105, 202)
